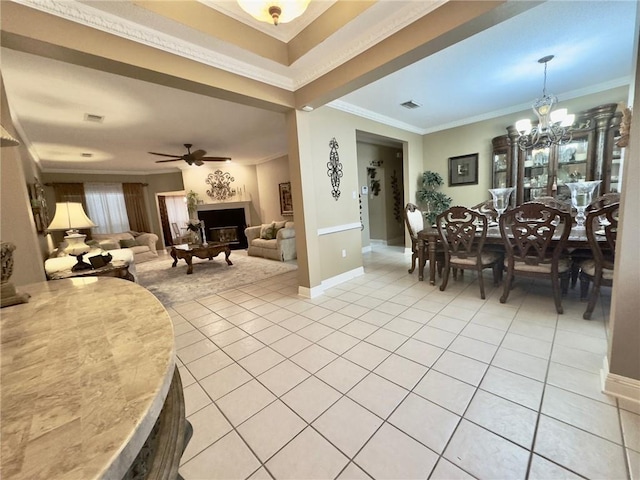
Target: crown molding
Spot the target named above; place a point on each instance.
(376, 24)
(372, 27)
(376, 117)
(106, 22)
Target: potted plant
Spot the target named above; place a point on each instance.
(435, 201)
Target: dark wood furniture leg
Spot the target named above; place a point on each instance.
(432, 260)
(187, 258)
(175, 257)
(420, 259)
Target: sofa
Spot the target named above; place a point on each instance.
(275, 240)
(142, 244)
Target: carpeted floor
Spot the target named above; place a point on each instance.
(173, 285)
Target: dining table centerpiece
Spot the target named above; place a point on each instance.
(581, 195)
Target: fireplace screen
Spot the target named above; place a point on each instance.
(224, 234)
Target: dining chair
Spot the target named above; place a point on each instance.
(415, 222)
(487, 209)
(581, 255)
(534, 237)
(463, 232)
(602, 231)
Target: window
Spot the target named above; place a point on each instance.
(106, 207)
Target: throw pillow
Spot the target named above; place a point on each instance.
(279, 225)
(127, 243)
(109, 245)
(267, 231)
(134, 233)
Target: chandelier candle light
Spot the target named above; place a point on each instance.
(276, 11)
(552, 124)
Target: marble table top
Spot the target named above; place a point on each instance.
(85, 368)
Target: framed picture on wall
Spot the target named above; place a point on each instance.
(463, 170)
(286, 202)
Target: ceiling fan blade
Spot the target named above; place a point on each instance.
(198, 162)
(170, 160)
(215, 159)
(198, 153)
(165, 155)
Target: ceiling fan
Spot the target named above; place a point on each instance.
(192, 158)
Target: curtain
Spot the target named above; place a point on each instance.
(177, 211)
(136, 211)
(70, 192)
(106, 207)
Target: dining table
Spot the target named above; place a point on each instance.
(430, 235)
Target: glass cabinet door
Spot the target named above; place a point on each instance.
(535, 181)
(572, 164)
(500, 178)
(501, 165)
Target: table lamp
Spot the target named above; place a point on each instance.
(70, 216)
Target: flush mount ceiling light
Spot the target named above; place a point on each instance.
(274, 11)
(552, 124)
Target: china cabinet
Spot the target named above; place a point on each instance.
(543, 171)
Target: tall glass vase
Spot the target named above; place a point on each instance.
(501, 198)
(581, 196)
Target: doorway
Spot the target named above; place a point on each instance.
(381, 180)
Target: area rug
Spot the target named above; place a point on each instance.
(173, 285)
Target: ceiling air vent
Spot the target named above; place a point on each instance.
(86, 155)
(90, 117)
(410, 104)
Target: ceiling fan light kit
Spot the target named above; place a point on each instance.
(274, 11)
(552, 125)
(192, 158)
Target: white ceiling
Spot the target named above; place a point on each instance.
(492, 73)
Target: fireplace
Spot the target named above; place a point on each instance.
(224, 224)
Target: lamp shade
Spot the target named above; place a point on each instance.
(70, 216)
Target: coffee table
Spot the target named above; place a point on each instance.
(210, 250)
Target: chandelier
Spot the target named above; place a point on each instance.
(276, 11)
(552, 124)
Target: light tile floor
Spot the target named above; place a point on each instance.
(387, 377)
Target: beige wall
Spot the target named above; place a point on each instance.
(476, 138)
(16, 221)
(156, 183)
(624, 338)
(313, 132)
(245, 182)
(270, 175)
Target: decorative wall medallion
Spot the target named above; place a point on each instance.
(220, 185)
(334, 169)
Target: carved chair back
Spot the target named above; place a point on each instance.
(487, 209)
(463, 231)
(604, 200)
(534, 233)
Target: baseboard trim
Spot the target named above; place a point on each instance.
(316, 291)
(619, 386)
